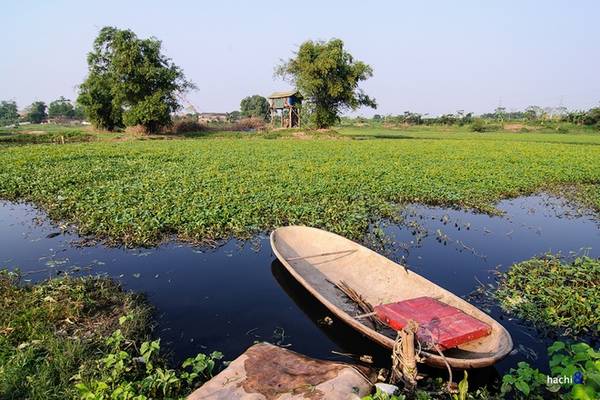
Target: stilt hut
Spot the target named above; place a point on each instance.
(287, 104)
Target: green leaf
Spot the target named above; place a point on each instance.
(523, 387)
(555, 347)
(581, 392)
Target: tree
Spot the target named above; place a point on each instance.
(592, 117)
(36, 112)
(255, 106)
(234, 116)
(500, 113)
(532, 113)
(328, 77)
(130, 82)
(9, 113)
(61, 108)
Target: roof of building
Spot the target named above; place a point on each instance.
(212, 114)
(289, 93)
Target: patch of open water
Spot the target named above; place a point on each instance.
(227, 298)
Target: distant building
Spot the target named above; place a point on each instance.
(212, 117)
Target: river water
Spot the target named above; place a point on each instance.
(229, 297)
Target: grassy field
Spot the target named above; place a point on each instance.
(575, 134)
(137, 192)
(51, 133)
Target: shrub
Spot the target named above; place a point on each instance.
(248, 124)
(188, 125)
(478, 126)
(592, 117)
(136, 130)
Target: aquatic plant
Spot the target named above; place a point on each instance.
(574, 374)
(140, 192)
(553, 293)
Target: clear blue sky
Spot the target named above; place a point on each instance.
(428, 56)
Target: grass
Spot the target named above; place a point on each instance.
(576, 134)
(553, 293)
(51, 133)
(51, 330)
(139, 192)
(69, 338)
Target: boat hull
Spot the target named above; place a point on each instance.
(318, 259)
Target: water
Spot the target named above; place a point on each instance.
(227, 298)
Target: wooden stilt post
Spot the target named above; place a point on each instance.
(404, 359)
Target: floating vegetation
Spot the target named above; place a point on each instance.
(553, 293)
(141, 192)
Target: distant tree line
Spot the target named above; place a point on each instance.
(533, 114)
(59, 110)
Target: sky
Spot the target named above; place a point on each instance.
(431, 57)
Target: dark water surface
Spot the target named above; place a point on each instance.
(227, 298)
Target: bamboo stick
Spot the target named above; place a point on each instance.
(322, 254)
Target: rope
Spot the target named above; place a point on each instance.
(405, 357)
(436, 347)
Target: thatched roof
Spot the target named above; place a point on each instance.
(281, 95)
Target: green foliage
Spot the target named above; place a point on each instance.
(124, 373)
(137, 192)
(553, 293)
(36, 112)
(79, 337)
(592, 117)
(96, 100)
(130, 82)
(255, 106)
(61, 108)
(480, 125)
(379, 395)
(45, 133)
(8, 113)
(434, 390)
(567, 361)
(234, 116)
(328, 77)
(50, 330)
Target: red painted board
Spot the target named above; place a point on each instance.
(449, 326)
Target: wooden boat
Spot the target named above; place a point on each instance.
(319, 260)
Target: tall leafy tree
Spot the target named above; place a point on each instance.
(328, 77)
(9, 113)
(61, 108)
(130, 82)
(36, 112)
(255, 106)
